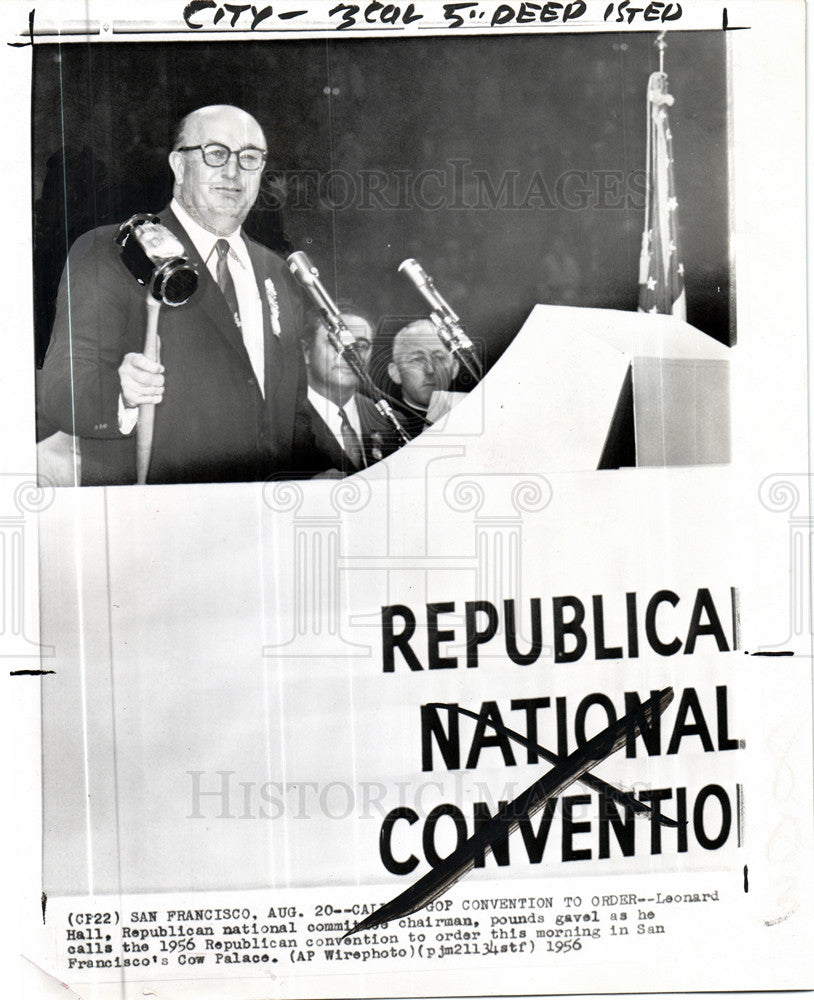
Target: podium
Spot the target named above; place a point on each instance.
(576, 390)
(584, 389)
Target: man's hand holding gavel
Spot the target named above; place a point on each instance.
(142, 380)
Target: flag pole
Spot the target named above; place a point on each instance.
(661, 45)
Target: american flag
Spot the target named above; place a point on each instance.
(661, 273)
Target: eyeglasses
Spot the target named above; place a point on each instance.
(428, 362)
(215, 154)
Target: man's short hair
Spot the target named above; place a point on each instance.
(417, 326)
(179, 136)
(314, 320)
(180, 131)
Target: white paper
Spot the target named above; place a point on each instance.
(211, 785)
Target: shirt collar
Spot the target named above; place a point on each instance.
(327, 409)
(204, 241)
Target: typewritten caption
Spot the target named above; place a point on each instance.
(154, 941)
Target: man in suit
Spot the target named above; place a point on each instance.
(230, 386)
(422, 366)
(349, 433)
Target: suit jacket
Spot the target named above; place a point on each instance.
(377, 440)
(214, 423)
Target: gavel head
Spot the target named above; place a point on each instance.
(155, 258)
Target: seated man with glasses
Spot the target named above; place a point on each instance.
(349, 433)
(423, 369)
(230, 387)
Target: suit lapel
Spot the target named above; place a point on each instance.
(327, 444)
(208, 298)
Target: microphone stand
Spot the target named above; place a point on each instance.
(366, 384)
(444, 318)
(341, 339)
(450, 334)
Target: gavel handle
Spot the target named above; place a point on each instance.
(146, 411)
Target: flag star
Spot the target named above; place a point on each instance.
(669, 134)
(651, 283)
(653, 311)
(672, 204)
(671, 247)
(681, 269)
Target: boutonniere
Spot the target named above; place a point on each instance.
(274, 307)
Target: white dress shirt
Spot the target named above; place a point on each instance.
(240, 267)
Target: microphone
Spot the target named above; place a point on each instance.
(156, 259)
(426, 286)
(342, 340)
(340, 337)
(444, 318)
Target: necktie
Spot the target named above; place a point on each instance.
(225, 282)
(353, 448)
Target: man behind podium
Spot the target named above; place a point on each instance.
(230, 388)
(423, 369)
(349, 433)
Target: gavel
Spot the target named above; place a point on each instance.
(156, 259)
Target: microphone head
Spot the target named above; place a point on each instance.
(412, 269)
(302, 268)
(416, 273)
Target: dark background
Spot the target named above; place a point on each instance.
(379, 112)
